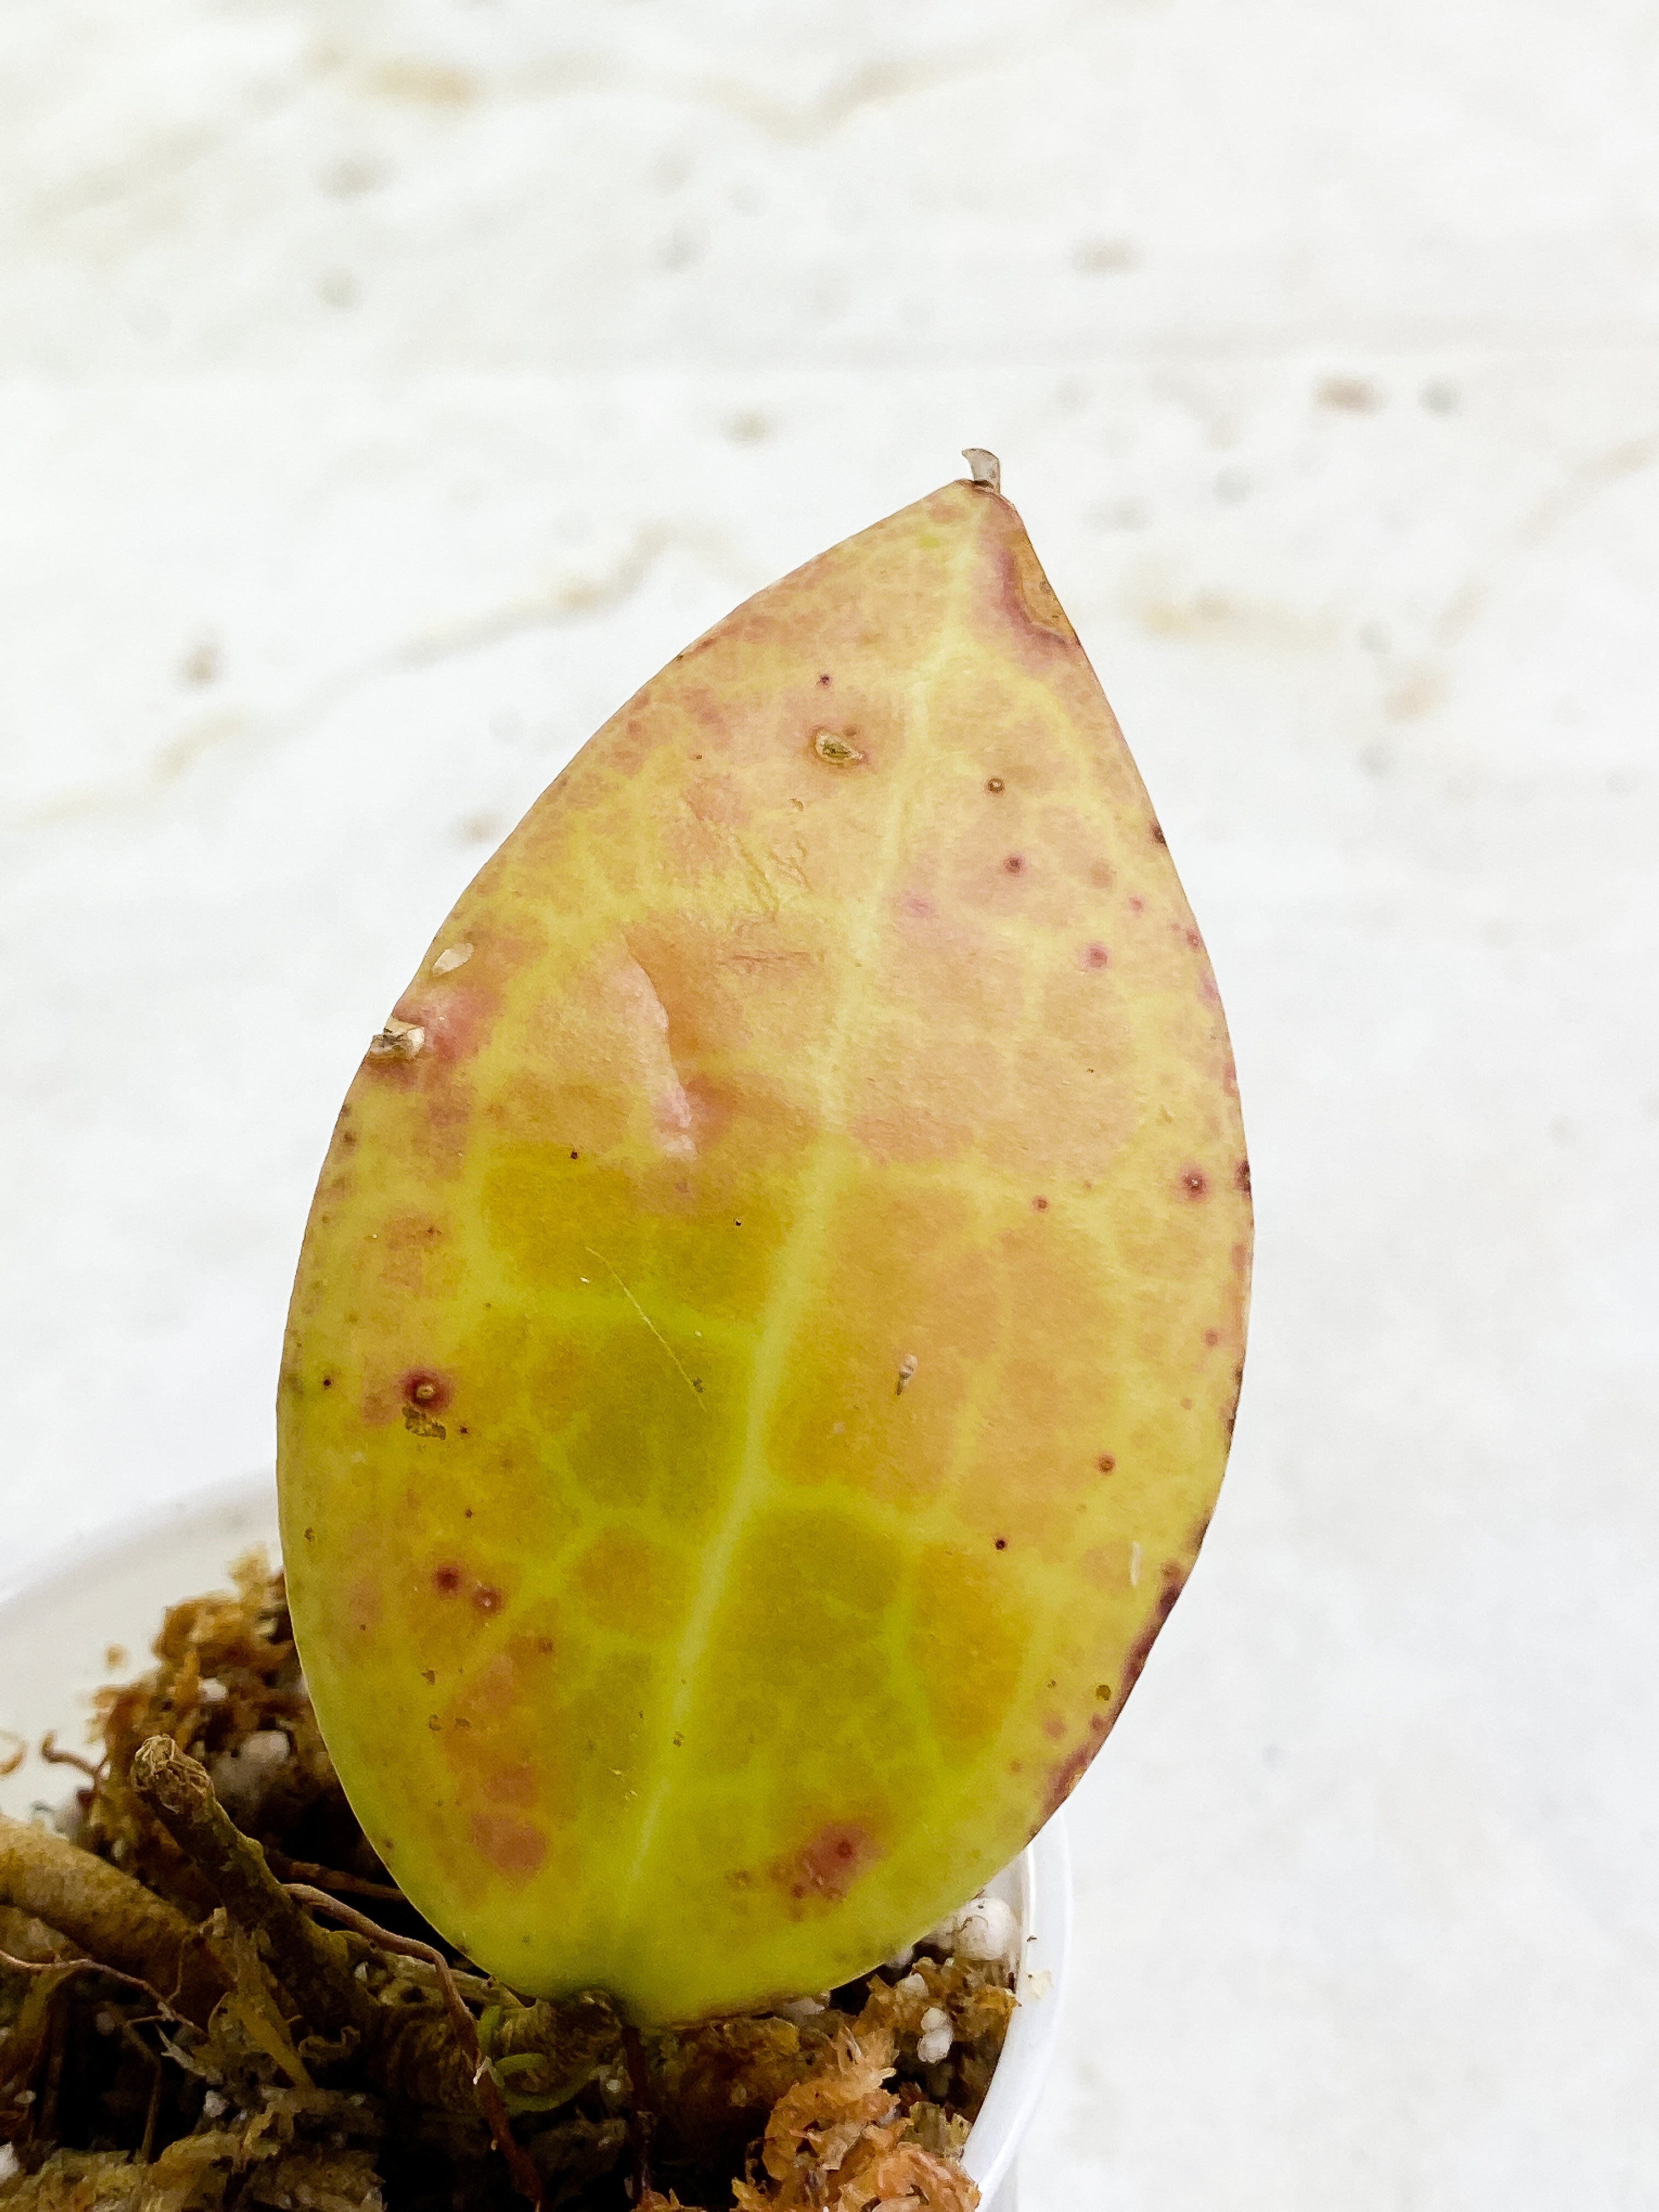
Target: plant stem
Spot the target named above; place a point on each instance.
(312, 1965)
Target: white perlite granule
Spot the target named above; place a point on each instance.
(804, 2008)
(985, 1928)
(242, 1777)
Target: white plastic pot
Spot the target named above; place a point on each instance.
(57, 1624)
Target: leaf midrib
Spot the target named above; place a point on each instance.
(795, 1271)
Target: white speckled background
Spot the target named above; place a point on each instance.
(387, 387)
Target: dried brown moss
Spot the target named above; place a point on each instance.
(200, 2083)
(227, 1688)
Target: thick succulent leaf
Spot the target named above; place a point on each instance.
(769, 1331)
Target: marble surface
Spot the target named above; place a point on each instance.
(386, 389)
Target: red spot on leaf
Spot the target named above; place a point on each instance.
(825, 1868)
(1014, 865)
(422, 1387)
(1094, 956)
(446, 1579)
(1194, 1182)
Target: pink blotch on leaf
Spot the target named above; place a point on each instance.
(513, 1847)
(455, 1015)
(365, 1603)
(514, 1784)
(1064, 1777)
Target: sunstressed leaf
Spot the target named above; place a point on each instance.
(768, 1334)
